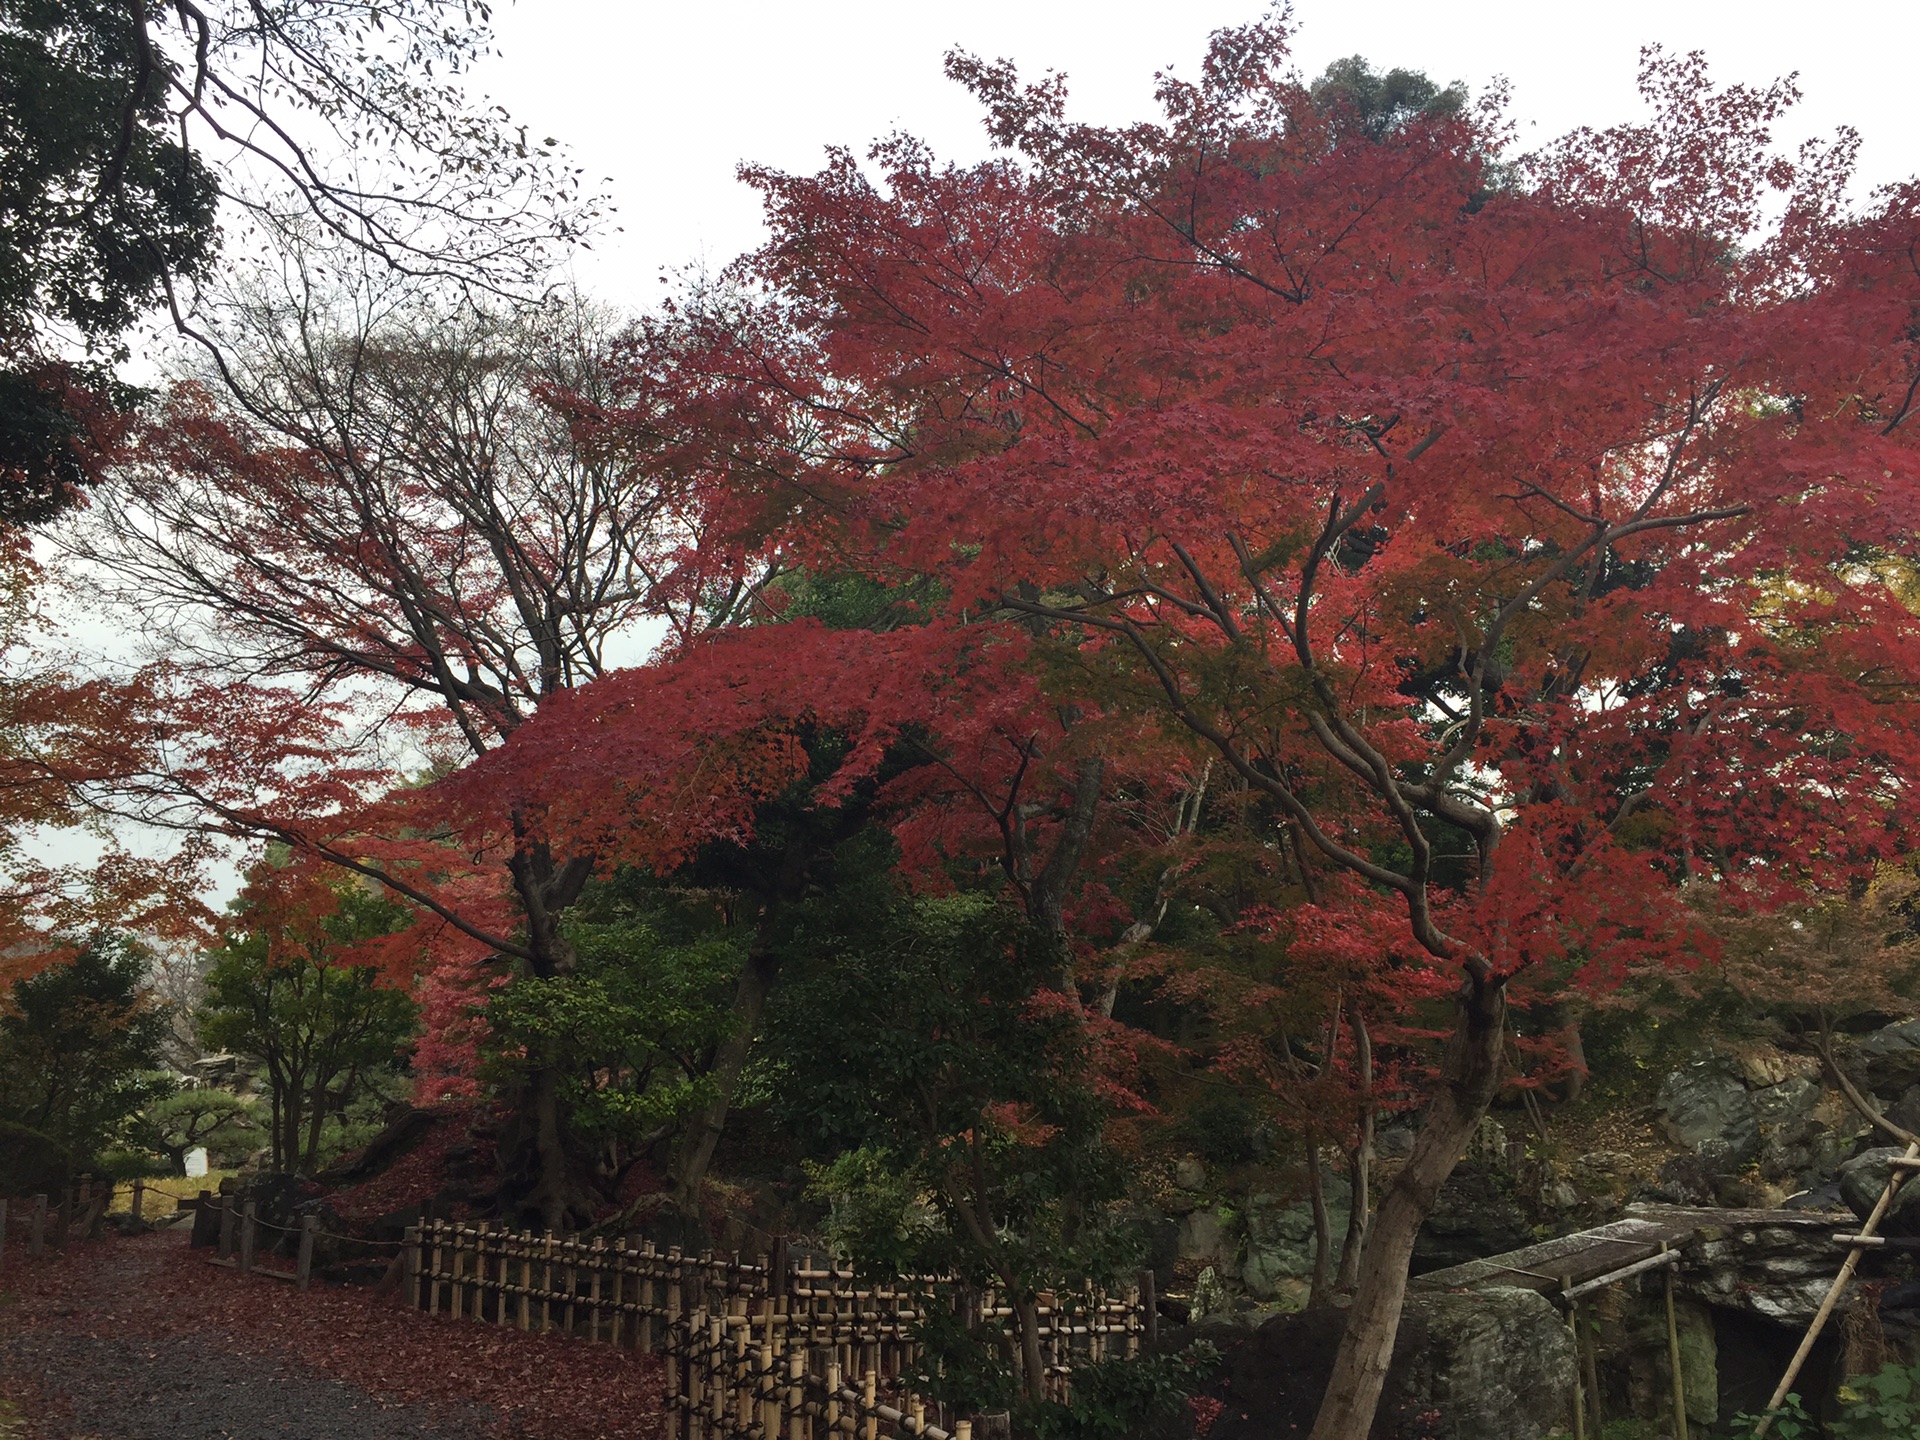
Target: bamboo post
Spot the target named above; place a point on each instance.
(1896, 1175)
(546, 1283)
(523, 1247)
(1150, 1307)
(1673, 1357)
(1579, 1382)
(767, 1392)
(303, 1267)
(869, 1399)
(410, 1260)
(649, 1297)
(674, 1330)
(248, 1218)
(434, 1260)
(37, 1227)
(503, 1315)
(617, 1257)
(224, 1249)
(1590, 1365)
(596, 1260)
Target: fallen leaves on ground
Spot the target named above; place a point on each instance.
(541, 1387)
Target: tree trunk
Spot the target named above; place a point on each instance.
(749, 1004)
(703, 1136)
(316, 1118)
(1470, 1077)
(551, 1194)
(1359, 1162)
(1322, 1229)
(1033, 1372)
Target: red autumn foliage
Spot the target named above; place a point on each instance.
(1518, 533)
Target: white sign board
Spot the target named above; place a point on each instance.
(196, 1162)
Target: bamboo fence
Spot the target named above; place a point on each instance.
(776, 1348)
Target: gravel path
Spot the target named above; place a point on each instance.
(180, 1388)
(75, 1370)
(140, 1339)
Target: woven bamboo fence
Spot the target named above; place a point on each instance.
(776, 1348)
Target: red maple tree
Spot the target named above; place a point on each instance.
(1510, 528)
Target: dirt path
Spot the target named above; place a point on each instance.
(141, 1339)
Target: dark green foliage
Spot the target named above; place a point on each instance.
(225, 1124)
(1377, 104)
(634, 1027)
(287, 994)
(98, 202)
(1224, 1129)
(31, 1163)
(1126, 1399)
(98, 198)
(80, 1048)
(917, 1047)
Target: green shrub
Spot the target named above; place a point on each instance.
(31, 1163)
(1124, 1399)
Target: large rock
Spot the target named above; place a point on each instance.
(1499, 1364)
(1208, 1236)
(1889, 1059)
(1280, 1239)
(1474, 1217)
(1706, 1109)
(1493, 1364)
(1789, 1131)
(1864, 1178)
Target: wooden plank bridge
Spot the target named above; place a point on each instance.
(1571, 1260)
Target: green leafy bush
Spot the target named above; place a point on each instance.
(1885, 1404)
(1124, 1399)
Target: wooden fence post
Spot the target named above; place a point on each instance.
(1150, 1303)
(37, 1233)
(247, 1220)
(139, 1197)
(303, 1267)
(410, 1264)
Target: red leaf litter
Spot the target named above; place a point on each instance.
(540, 1387)
(417, 1172)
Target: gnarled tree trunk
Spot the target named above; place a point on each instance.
(1469, 1079)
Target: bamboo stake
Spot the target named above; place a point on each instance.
(1579, 1384)
(1673, 1357)
(410, 1249)
(597, 1256)
(1895, 1175)
(546, 1283)
(433, 1268)
(523, 1248)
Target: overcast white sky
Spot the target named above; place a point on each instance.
(665, 99)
